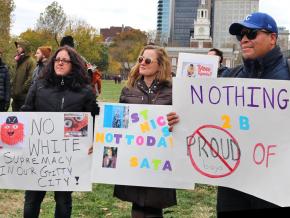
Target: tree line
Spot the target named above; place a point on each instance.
(115, 58)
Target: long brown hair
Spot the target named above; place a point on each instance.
(163, 61)
(78, 72)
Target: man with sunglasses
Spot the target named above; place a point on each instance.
(262, 58)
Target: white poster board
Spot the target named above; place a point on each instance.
(43, 151)
(132, 146)
(197, 65)
(237, 133)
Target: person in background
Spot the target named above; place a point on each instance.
(149, 82)
(64, 87)
(42, 55)
(68, 41)
(97, 81)
(262, 59)
(22, 77)
(222, 69)
(91, 69)
(4, 85)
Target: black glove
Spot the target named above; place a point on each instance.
(7, 105)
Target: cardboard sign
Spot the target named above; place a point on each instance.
(133, 146)
(237, 134)
(43, 151)
(197, 65)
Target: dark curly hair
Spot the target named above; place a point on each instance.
(218, 53)
(77, 77)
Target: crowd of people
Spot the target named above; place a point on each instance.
(59, 82)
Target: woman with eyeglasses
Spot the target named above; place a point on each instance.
(63, 87)
(149, 82)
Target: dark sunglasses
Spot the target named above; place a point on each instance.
(146, 60)
(250, 33)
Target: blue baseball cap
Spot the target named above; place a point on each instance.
(255, 20)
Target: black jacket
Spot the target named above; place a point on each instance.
(59, 97)
(161, 94)
(4, 84)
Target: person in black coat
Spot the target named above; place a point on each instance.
(4, 86)
(42, 55)
(262, 59)
(63, 87)
(222, 69)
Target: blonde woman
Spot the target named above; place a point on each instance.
(149, 82)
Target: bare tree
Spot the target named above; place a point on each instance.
(53, 20)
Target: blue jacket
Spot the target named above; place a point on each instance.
(223, 70)
(272, 66)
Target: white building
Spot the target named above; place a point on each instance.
(201, 37)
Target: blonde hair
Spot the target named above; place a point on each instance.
(164, 74)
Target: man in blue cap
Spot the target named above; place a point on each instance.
(262, 59)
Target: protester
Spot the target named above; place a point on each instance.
(68, 41)
(92, 71)
(97, 82)
(149, 82)
(262, 59)
(222, 69)
(42, 55)
(119, 79)
(22, 77)
(63, 88)
(4, 85)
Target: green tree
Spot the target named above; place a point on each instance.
(126, 47)
(89, 43)
(6, 9)
(114, 67)
(53, 20)
(38, 38)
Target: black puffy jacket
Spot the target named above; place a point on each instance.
(59, 97)
(4, 83)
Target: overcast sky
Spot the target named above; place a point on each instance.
(139, 14)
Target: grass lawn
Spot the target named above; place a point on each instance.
(199, 203)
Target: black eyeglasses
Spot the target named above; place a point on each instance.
(250, 33)
(146, 60)
(64, 61)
